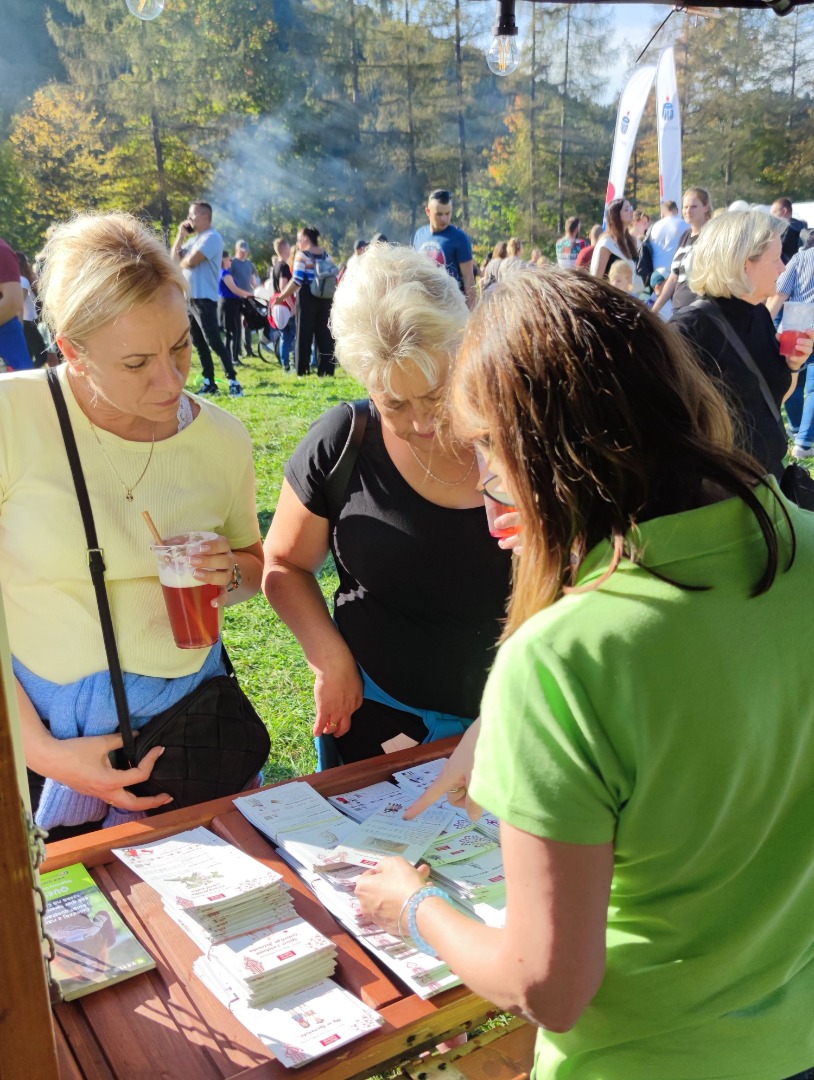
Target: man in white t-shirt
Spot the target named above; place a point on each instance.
(664, 236)
(200, 259)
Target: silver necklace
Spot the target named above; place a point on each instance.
(128, 488)
(432, 476)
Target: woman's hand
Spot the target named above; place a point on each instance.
(337, 695)
(83, 764)
(512, 520)
(382, 891)
(454, 780)
(802, 350)
(214, 564)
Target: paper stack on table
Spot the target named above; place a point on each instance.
(271, 962)
(261, 960)
(423, 974)
(288, 808)
(222, 890)
(302, 1026)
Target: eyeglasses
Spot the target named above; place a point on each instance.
(491, 487)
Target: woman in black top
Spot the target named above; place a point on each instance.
(735, 269)
(422, 584)
(697, 211)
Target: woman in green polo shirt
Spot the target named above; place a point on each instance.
(647, 738)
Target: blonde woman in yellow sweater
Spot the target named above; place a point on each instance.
(116, 305)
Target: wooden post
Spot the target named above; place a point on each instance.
(26, 1027)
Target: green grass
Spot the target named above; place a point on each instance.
(277, 410)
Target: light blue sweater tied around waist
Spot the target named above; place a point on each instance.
(87, 707)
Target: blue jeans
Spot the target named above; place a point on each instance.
(287, 338)
(807, 1075)
(800, 408)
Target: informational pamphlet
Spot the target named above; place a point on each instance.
(93, 947)
(213, 882)
(302, 1026)
(387, 833)
(286, 808)
(363, 802)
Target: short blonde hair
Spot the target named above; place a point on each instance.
(396, 308)
(98, 267)
(620, 269)
(514, 246)
(723, 248)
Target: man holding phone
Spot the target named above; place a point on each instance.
(200, 260)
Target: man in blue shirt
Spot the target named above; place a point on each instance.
(200, 260)
(447, 244)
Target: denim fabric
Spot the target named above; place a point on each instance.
(800, 408)
(807, 1075)
(287, 338)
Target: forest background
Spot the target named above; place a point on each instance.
(344, 113)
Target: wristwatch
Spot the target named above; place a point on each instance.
(235, 580)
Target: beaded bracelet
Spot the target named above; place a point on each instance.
(412, 904)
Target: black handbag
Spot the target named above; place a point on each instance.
(796, 483)
(214, 741)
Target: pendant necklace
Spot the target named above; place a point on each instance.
(432, 476)
(128, 488)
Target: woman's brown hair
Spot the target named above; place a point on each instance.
(600, 417)
(616, 229)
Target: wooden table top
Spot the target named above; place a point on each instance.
(166, 1024)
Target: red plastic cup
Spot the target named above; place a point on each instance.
(797, 319)
(788, 341)
(495, 510)
(194, 622)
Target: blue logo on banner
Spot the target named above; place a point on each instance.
(625, 123)
(667, 111)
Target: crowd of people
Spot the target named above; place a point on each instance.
(601, 647)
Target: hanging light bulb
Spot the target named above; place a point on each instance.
(503, 55)
(145, 9)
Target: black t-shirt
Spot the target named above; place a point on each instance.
(280, 274)
(764, 436)
(422, 588)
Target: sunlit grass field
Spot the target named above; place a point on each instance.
(277, 410)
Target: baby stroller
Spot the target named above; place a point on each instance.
(256, 313)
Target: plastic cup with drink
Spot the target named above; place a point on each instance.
(496, 502)
(193, 618)
(797, 319)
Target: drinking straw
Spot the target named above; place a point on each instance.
(151, 526)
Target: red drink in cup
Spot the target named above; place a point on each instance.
(797, 319)
(195, 623)
(496, 502)
(788, 341)
(495, 510)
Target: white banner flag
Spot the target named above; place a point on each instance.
(669, 128)
(631, 107)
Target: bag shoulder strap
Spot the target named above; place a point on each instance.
(96, 563)
(737, 343)
(336, 482)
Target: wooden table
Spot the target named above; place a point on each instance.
(165, 1024)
